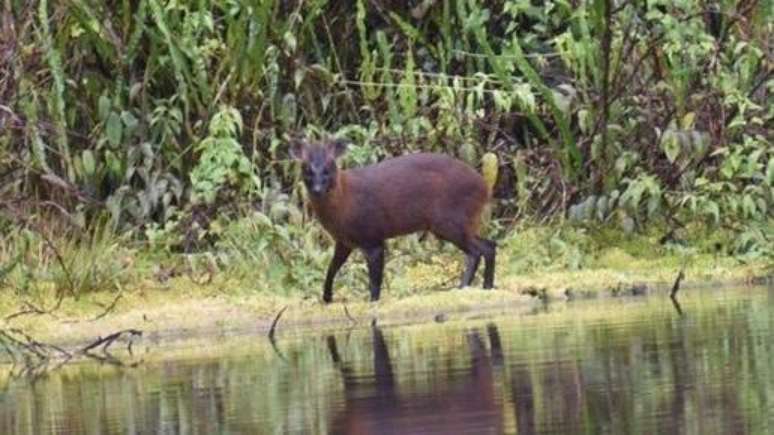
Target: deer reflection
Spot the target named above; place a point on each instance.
(464, 404)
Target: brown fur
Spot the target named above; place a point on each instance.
(415, 192)
(363, 207)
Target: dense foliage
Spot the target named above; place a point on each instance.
(166, 117)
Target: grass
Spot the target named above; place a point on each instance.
(535, 264)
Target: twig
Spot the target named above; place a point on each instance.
(349, 316)
(222, 88)
(6, 336)
(24, 341)
(273, 328)
(62, 264)
(107, 358)
(677, 306)
(676, 286)
(109, 308)
(31, 309)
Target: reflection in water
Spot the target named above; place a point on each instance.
(460, 404)
(599, 367)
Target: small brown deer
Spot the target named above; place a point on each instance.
(363, 207)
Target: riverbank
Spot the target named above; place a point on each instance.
(181, 307)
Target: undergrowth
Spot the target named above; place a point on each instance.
(258, 256)
(149, 141)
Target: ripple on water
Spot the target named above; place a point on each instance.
(603, 366)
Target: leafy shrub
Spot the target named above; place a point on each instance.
(222, 163)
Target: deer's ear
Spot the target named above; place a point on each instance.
(338, 147)
(298, 150)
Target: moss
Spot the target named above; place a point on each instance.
(615, 258)
(539, 264)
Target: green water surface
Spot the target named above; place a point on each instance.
(608, 366)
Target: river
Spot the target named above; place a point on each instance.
(608, 366)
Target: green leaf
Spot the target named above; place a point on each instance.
(526, 98)
(602, 207)
(113, 129)
(407, 93)
(748, 204)
(134, 91)
(290, 41)
(584, 120)
(654, 203)
(502, 101)
(130, 121)
(634, 193)
(762, 206)
(671, 146)
(89, 164)
(103, 107)
(687, 121)
(468, 152)
(712, 209)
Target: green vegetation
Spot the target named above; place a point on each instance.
(174, 296)
(145, 141)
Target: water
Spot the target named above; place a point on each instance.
(613, 366)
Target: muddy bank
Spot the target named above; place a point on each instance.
(181, 312)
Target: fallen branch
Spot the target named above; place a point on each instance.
(36, 356)
(108, 340)
(26, 344)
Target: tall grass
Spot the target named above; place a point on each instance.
(38, 264)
